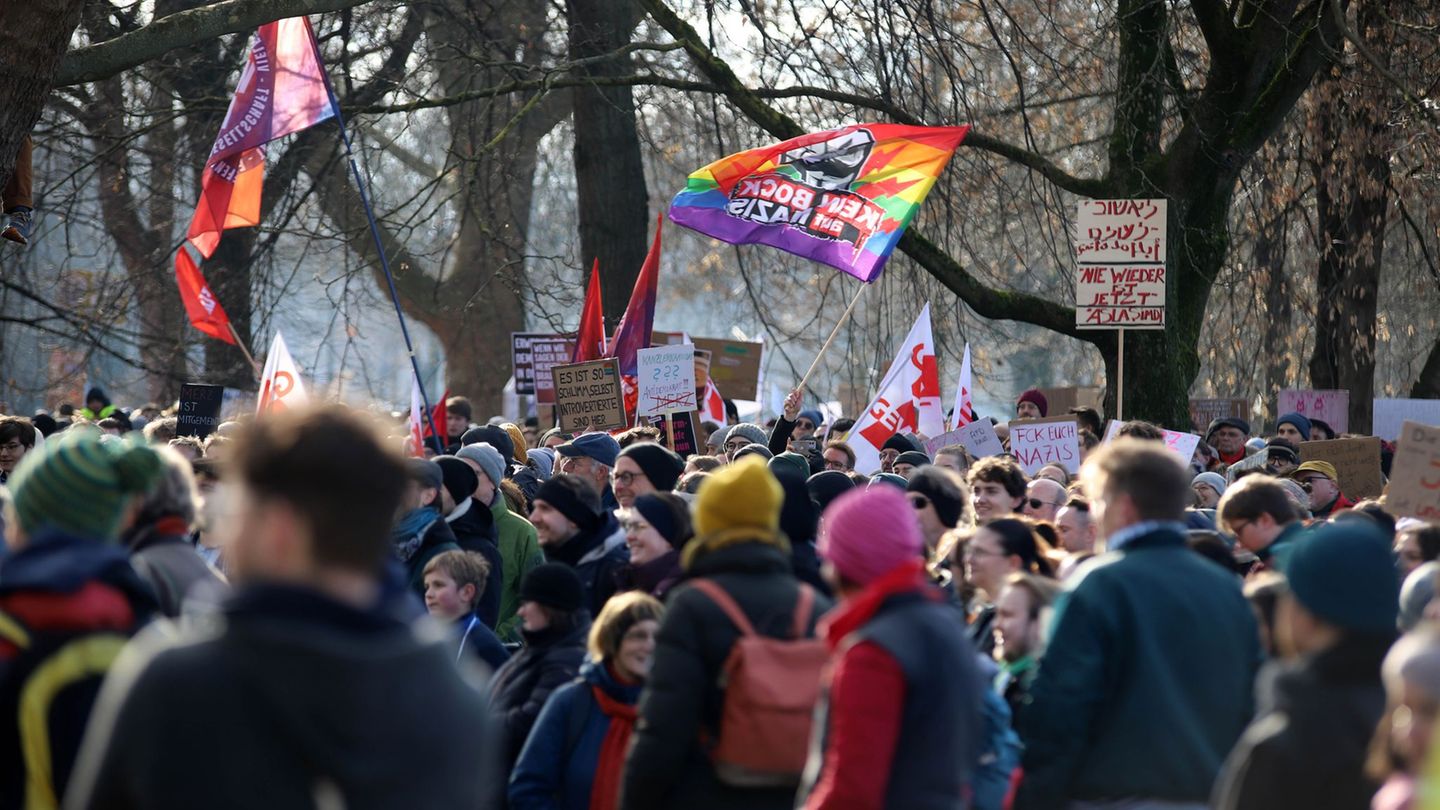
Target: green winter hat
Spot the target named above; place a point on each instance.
(81, 485)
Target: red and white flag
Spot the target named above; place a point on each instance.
(964, 412)
(417, 420)
(909, 399)
(280, 385)
(712, 406)
(204, 309)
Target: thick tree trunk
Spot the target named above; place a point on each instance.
(228, 274)
(34, 35)
(610, 178)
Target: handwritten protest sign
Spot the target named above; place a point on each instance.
(545, 354)
(666, 377)
(520, 360)
(588, 396)
(687, 442)
(1037, 442)
(199, 412)
(1120, 252)
(977, 437)
(1357, 463)
(1182, 444)
(1205, 411)
(1415, 474)
(1330, 407)
(734, 365)
(1390, 414)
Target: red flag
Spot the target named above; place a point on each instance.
(591, 338)
(441, 417)
(204, 310)
(281, 91)
(633, 333)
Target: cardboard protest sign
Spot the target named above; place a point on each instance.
(1357, 462)
(1037, 442)
(1415, 474)
(666, 378)
(588, 396)
(1205, 411)
(687, 434)
(545, 354)
(1120, 252)
(1391, 414)
(1061, 400)
(1254, 461)
(1182, 444)
(735, 366)
(977, 437)
(1330, 407)
(199, 412)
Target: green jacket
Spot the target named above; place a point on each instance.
(1147, 680)
(519, 553)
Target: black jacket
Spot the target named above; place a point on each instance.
(1309, 749)
(550, 659)
(475, 531)
(779, 442)
(291, 697)
(598, 555)
(666, 766)
(438, 540)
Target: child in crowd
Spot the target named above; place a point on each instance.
(454, 583)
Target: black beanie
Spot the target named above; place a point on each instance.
(495, 437)
(936, 485)
(661, 466)
(898, 442)
(574, 498)
(553, 585)
(914, 458)
(460, 479)
(827, 486)
(667, 514)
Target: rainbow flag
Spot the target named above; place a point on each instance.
(841, 197)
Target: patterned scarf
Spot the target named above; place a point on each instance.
(605, 791)
(409, 533)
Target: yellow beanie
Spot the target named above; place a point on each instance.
(517, 442)
(739, 495)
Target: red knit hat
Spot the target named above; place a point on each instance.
(1037, 399)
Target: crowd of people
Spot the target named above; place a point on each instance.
(292, 612)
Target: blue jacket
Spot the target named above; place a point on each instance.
(1146, 683)
(480, 642)
(557, 764)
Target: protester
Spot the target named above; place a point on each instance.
(1293, 428)
(1228, 436)
(1150, 643)
(954, 458)
(17, 437)
(1260, 516)
(997, 488)
(419, 532)
(159, 539)
(474, 527)
(1400, 750)
(554, 624)
(1054, 472)
(657, 527)
(941, 502)
(1338, 617)
(890, 451)
(825, 487)
(97, 406)
(1208, 487)
(543, 462)
(1323, 483)
(591, 456)
(1281, 457)
(67, 589)
(738, 437)
(455, 582)
(519, 548)
(997, 550)
(302, 672)
(1416, 543)
(908, 462)
(458, 417)
(1417, 591)
(641, 469)
(739, 548)
(1089, 419)
(573, 529)
(898, 724)
(838, 456)
(515, 464)
(1043, 499)
(1076, 526)
(573, 757)
(1031, 405)
(795, 431)
(1021, 612)
(701, 464)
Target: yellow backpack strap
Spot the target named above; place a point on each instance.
(80, 659)
(13, 632)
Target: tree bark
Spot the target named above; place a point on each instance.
(33, 38)
(610, 178)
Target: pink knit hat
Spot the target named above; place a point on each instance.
(869, 533)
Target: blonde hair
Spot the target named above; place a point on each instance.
(463, 568)
(622, 612)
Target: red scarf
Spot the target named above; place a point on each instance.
(855, 611)
(605, 790)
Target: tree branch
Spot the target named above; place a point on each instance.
(179, 30)
(1217, 28)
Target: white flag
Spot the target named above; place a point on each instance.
(964, 408)
(909, 399)
(416, 441)
(280, 385)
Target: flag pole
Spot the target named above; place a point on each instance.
(254, 366)
(844, 316)
(379, 245)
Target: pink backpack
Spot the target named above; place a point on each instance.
(771, 686)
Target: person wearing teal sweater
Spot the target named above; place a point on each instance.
(519, 548)
(1147, 681)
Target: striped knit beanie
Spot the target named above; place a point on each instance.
(80, 485)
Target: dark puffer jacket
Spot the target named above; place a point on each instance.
(667, 767)
(551, 658)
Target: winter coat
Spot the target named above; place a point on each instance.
(161, 553)
(519, 554)
(438, 539)
(1150, 643)
(550, 659)
(60, 595)
(779, 442)
(1309, 750)
(899, 718)
(1277, 554)
(667, 766)
(556, 770)
(474, 528)
(292, 697)
(598, 555)
(479, 642)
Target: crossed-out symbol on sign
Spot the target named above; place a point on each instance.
(663, 401)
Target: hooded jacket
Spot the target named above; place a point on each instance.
(291, 698)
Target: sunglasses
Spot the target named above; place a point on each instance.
(805, 425)
(1036, 503)
(919, 501)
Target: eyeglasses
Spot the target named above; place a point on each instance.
(625, 478)
(733, 446)
(1036, 503)
(1236, 529)
(634, 526)
(805, 425)
(838, 466)
(12, 447)
(919, 501)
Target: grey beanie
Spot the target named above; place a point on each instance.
(751, 431)
(488, 458)
(1416, 593)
